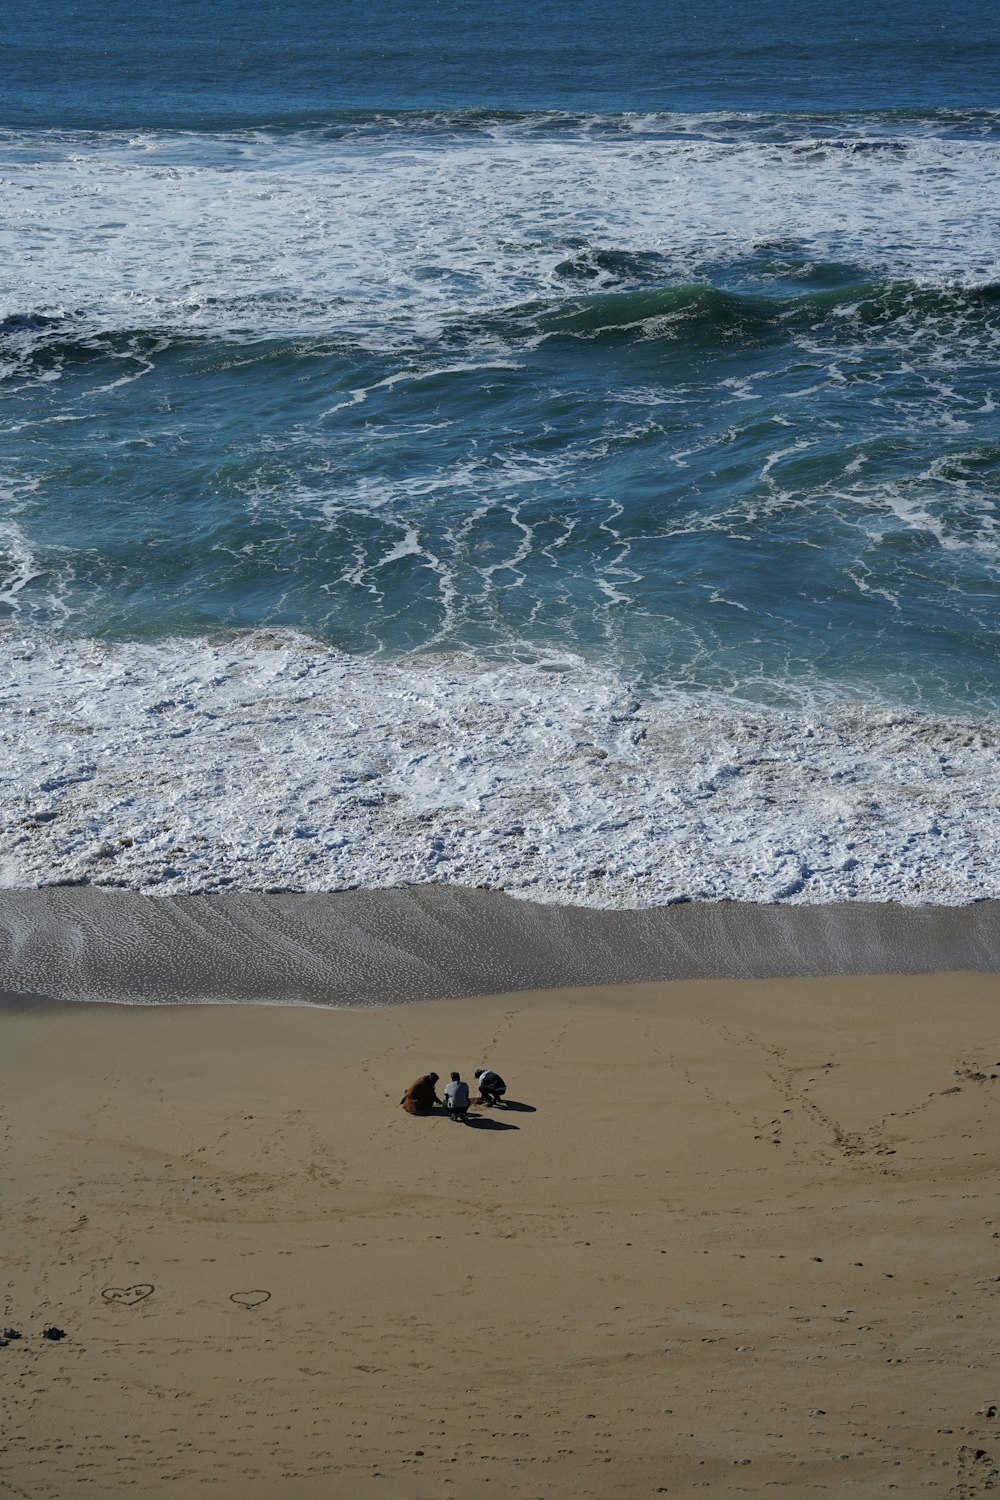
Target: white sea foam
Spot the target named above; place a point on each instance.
(25, 575)
(391, 237)
(273, 762)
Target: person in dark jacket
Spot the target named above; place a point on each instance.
(421, 1097)
(491, 1085)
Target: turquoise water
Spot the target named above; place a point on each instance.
(709, 401)
(648, 476)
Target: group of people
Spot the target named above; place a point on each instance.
(421, 1098)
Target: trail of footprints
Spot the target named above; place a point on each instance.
(849, 1143)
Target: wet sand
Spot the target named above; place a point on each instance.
(733, 1237)
(436, 941)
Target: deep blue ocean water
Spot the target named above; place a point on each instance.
(208, 64)
(657, 347)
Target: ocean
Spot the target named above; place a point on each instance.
(552, 451)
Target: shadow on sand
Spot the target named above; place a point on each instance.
(484, 1122)
(518, 1107)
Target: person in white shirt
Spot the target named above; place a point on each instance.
(456, 1097)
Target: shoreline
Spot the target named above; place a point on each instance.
(371, 948)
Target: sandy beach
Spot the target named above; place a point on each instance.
(731, 1237)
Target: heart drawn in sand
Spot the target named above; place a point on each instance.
(128, 1295)
(249, 1299)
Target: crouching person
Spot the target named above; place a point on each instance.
(456, 1097)
(421, 1097)
(491, 1086)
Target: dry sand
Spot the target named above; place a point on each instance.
(736, 1237)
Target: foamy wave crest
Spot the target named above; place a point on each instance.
(386, 230)
(272, 762)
